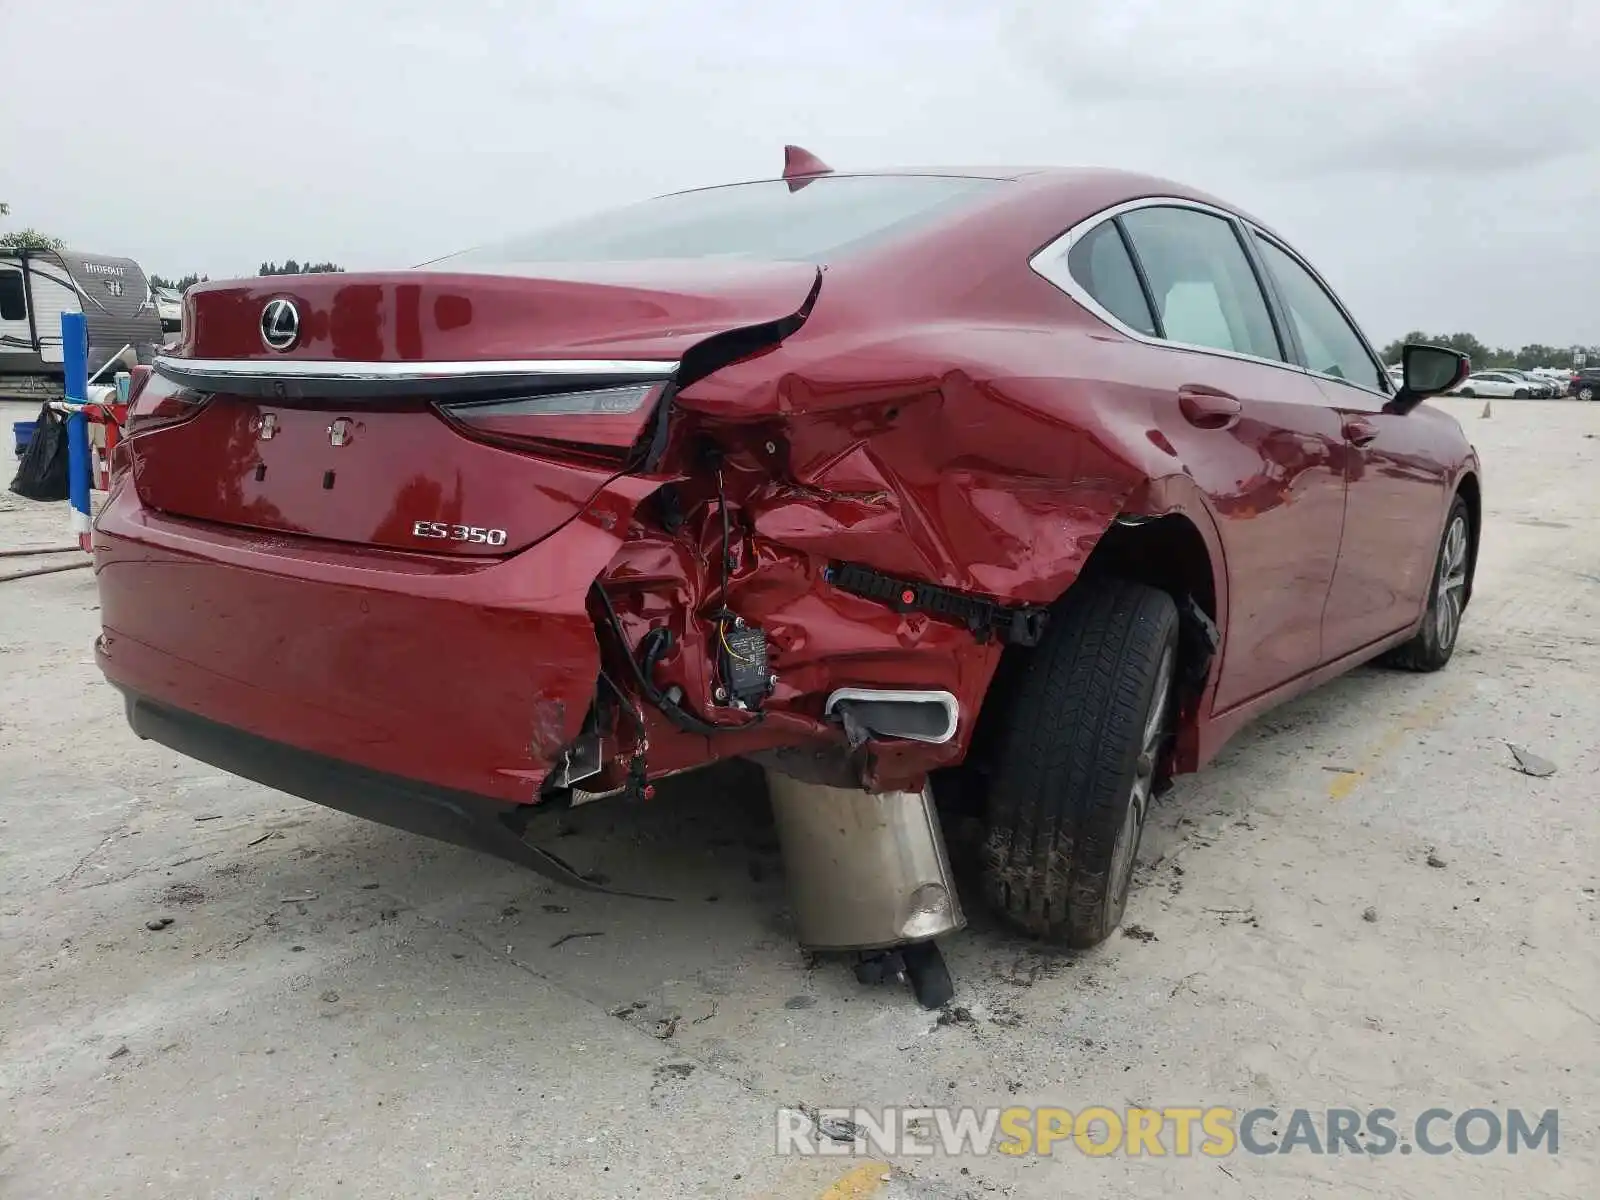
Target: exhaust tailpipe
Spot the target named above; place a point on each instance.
(917, 716)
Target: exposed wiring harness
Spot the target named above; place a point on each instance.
(652, 648)
(626, 701)
(724, 613)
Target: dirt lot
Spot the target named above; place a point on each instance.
(1362, 905)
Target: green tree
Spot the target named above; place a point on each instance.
(291, 267)
(1534, 354)
(1466, 343)
(1537, 354)
(1391, 352)
(178, 285)
(26, 239)
(29, 239)
(1480, 354)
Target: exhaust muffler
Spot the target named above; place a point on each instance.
(868, 873)
(866, 870)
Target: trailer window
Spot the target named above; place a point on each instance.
(13, 296)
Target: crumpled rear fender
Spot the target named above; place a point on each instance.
(996, 486)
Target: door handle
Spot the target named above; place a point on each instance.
(1360, 432)
(1208, 409)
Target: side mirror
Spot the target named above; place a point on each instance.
(1427, 371)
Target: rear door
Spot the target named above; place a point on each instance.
(1396, 481)
(1258, 435)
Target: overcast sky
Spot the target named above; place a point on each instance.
(1438, 160)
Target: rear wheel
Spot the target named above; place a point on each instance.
(1467, 392)
(1435, 642)
(1088, 729)
(1586, 393)
(1520, 394)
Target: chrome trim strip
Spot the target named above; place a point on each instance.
(307, 369)
(945, 700)
(293, 379)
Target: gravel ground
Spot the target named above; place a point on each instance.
(1360, 904)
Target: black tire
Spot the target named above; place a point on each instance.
(1467, 392)
(1064, 815)
(1520, 394)
(1436, 641)
(928, 975)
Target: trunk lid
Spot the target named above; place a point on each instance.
(468, 414)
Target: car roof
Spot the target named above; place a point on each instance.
(1100, 187)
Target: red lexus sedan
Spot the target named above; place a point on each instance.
(1058, 477)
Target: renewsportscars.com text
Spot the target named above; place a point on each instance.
(1159, 1132)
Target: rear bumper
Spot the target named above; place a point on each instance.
(465, 676)
(476, 822)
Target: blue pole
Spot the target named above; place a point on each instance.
(75, 356)
(75, 365)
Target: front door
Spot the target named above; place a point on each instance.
(1395, 486)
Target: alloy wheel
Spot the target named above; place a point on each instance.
(1452, 587)
(1144, 779)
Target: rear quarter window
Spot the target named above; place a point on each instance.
(1100, 263)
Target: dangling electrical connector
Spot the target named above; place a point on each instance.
(743, 663)
(639, 786)
(744, 668)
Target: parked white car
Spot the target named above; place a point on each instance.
(169, 307)
(1495, 383)
(1538, 387)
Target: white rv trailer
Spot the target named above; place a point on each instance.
(37, 286)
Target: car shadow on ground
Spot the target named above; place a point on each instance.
(707, 843)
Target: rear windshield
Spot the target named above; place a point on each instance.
(821, 220)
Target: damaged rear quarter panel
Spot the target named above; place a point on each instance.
(918, 456)
(911, 453)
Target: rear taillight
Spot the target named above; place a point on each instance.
(137, 381)
(155, 401)
(595, 417)
(120, 461)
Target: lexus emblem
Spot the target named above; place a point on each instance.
(339, 432)
(280, 324)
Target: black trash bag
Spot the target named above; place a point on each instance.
(43, 473)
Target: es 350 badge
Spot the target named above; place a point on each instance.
(444, 531)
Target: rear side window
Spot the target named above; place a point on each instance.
(1204, 288)
(1331, 344)
(1099, 262)
(13, 296)
(820, 220)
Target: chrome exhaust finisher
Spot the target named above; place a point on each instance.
(916, 716)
